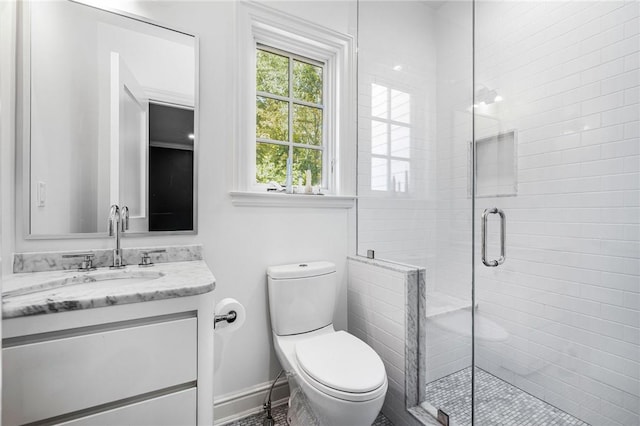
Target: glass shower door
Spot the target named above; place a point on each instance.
(447, 338)
(556, 301)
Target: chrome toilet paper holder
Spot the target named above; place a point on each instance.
(230, 317)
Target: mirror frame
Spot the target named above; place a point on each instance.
(23, 126)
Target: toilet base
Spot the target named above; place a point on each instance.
(299, 412)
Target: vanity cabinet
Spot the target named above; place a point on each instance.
(178, 408)
(145, 363)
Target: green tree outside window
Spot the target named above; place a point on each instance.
(289, 117)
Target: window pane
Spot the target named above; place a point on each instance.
(307, 125)
(400, 141)
(272, 119)
(379, 176)
(379, 137)
(400, 175)
(307, 159)
(272, 73)
(379, 101)
(271, 163)
(307, 82)
(400, 106)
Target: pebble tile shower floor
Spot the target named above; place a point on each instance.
(280, 416)
(498, 402)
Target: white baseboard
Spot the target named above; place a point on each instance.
(235, 406)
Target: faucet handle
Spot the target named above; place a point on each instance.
(156, 251)
(87, 262)
(145, 259)
(124, 218)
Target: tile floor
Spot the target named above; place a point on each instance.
(280, 416)
(498, 403)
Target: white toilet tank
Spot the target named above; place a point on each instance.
(302, 296)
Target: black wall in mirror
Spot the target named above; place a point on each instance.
(170, 168)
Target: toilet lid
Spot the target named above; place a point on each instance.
(341, 361)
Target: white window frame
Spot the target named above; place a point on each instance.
(292, 101)
(261, 25)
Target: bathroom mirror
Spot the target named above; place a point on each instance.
(109, 117)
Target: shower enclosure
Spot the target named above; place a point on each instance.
(499, 149)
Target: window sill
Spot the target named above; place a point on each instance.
(270, 199)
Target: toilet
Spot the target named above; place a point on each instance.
(342, 377)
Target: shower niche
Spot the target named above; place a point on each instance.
(496, 166)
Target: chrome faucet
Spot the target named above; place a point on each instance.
(118, 222)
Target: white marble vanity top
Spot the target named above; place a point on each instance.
(34, 293)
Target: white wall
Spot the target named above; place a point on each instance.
(64, 134)
(239, 242)
(7, 135)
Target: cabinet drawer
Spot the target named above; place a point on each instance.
(176, 409)
(55, 377)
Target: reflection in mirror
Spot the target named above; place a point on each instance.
(111, 109)
(170, 168)
(390, 139)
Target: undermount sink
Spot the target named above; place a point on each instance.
(104, 278)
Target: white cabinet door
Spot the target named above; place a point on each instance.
(55, 377)
(176, 409)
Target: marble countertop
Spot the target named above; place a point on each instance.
(34, 293)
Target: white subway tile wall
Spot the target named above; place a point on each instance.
(376, 314)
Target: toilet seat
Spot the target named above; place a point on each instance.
(341, 365)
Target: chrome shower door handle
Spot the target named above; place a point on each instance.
(503, 233)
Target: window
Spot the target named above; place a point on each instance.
(290, 117)
(296, 101)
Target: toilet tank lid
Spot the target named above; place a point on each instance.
(300, 270)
